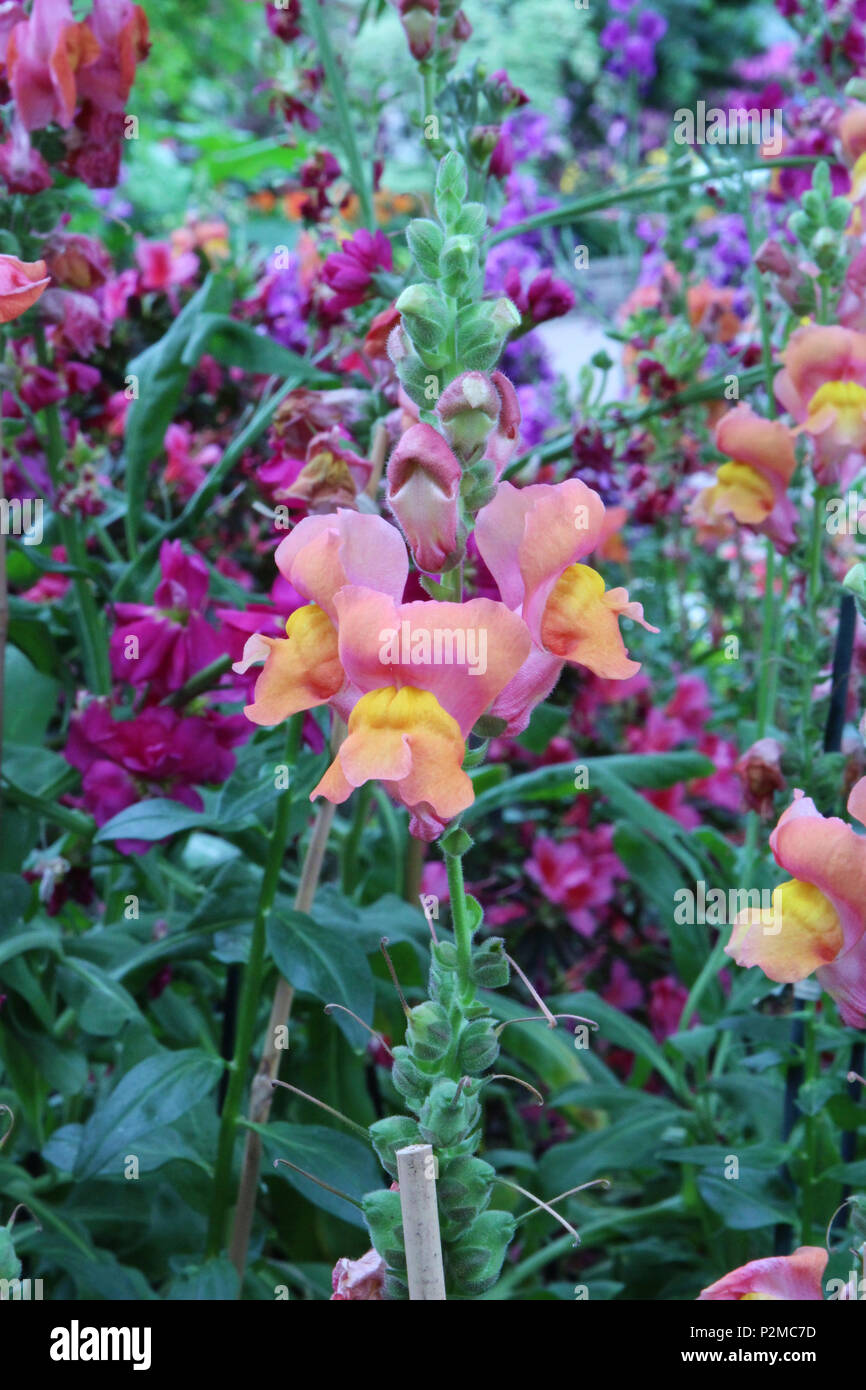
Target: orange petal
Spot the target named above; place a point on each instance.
(580, 623)
(802, 933)
(302, 670)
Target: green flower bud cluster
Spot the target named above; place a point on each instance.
(446, 327)
(819, 224)
(450, 1041)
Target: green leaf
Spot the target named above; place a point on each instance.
(150, 1096)
(152, 820)
(618, 1028)
(238, 345)
(215, 1281)
(325, 963)
(102, 1005)
(33, 939)
(339, 1159)
(29, 700)
(652, 770)
(628, 1143)
(745, 1203)
(162, 375)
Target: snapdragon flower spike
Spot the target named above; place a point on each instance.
(426, 672)
(819, 917)
(424, 495)
(751, 486)
(532, 540)
(823, 385)
(778, 1278)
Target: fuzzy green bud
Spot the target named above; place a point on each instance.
(473, 1264)
(394, 1132)
(429, 1032)
(448, 1114)
(384, 1218)
(458, 265)
(427, 318)
(478, 1047)
(425, 240)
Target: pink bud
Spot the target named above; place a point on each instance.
(423, 493)
(469, 408)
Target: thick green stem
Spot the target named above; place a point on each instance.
(460, 923)
(248, 1009)
(349, 869)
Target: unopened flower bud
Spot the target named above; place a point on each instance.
(423, 490)
(469, 408)
(760, 771)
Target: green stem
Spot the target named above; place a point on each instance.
(206, 679)
(349, 869)
(460, 923)
(569, 212)
(810, 1063)
(337, 89)
(89, 621)
(248, 1009)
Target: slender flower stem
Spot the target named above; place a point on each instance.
(810, 1067)
(349, 870)
(460, 922)
(208, 678)
(336, 87)
(249, 1002)
(262, 1092)
(89, 620)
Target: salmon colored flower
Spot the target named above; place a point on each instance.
(21, 284)
(323, 553)
(751, 486)
(427, 672)
(794, 1277)
(320, 556)
(532, 540)
(44, 54)
(823, 385)
(819, 917)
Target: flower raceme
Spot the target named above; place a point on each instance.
(819, 915)
(413, 679)
(406, 677)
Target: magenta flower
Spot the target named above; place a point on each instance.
(158, 753)
(349, 271)
(165, 643)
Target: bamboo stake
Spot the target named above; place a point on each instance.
(416, 1174)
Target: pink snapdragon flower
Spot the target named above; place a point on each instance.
(580, 874)
(794, 1277)
(186, 466)
(532, 541)
(423, 493)
(362, 1279)
(411, 679)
